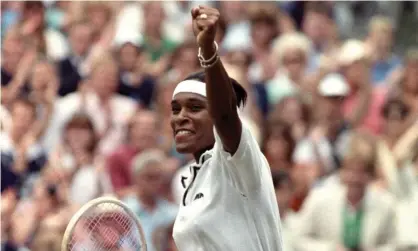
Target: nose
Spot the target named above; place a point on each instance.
(180, 118)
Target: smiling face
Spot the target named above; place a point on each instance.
(192, 126)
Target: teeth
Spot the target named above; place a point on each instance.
(183, 132)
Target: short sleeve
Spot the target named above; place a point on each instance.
(247, 166)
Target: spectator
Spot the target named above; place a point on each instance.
(296, 113)
(367, 222)
(101, 102)
(141, 135)
(355, 68)
(16, 64)
(21, 153)
(279, 145)
(46, 40)
(134, 82)
(74, 67)
(156, 45)
(291, 52)
(44, 210)
(76, 156)
(146, 202)
(184, 60)
(380, 39)
(394, 152)
(263, 21)
(408, 84)
(323, 147)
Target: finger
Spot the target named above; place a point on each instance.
(195, 12)
(208, 10)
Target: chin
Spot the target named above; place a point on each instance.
(185, 148)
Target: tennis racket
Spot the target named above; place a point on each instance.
(104, 224)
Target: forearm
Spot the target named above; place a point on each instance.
(362, 107)
(42, 124)
(222, 103)
(219, 90)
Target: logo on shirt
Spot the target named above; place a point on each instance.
(183, 181)
(198, 196)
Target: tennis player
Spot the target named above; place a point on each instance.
(229, 202)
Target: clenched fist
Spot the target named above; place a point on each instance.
(205, 22)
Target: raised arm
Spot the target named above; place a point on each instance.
(220, 93)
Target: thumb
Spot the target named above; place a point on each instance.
(195, 12)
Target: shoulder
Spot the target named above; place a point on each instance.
(247, 144)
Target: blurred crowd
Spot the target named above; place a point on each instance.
(85, 109)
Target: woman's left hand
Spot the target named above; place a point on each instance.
(205, 22)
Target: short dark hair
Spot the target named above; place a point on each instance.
(280, 177)
(276, 126)
(240, 93)
(83, 121)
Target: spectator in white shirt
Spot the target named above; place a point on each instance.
(109, 111)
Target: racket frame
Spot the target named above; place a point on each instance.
(101, 200)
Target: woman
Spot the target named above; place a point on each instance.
(229, 203)
(78, 160)
(279, 144)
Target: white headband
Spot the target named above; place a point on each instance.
(193, 86)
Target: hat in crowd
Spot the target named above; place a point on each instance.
(135, 39)
(351, 51)
(333, 85)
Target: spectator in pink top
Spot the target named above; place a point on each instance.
(355, 68)
(141, 135)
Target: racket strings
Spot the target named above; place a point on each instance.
(106, 227)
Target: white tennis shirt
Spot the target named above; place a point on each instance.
(230, 202)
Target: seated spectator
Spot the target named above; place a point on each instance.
(296, 113)
(76, 158)
(134, 82)
(290, 53)
(322, 149)
(263, 18)
(355, 216)
(279, 145)
(141, 135)
(101, 102)
(21, 153)
(74, 67)
(394, 151)
(16, 64)
(146, 202)
(407, 84)
(355, 67)
(380, 39)
(45, 210)
(156, 44)
(33, 25)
